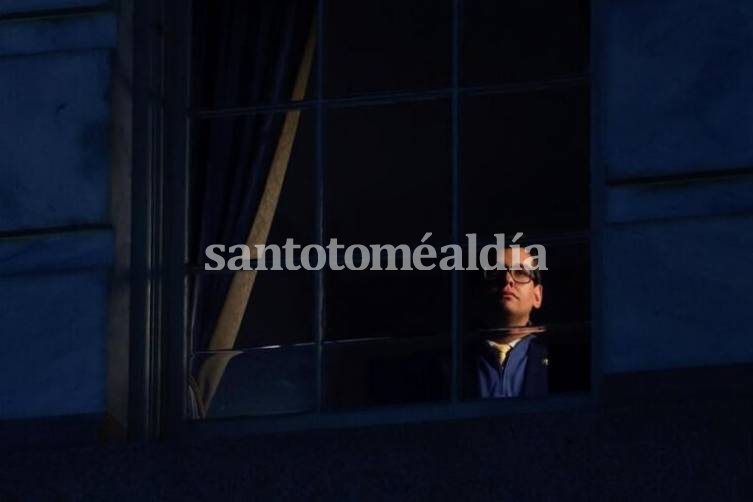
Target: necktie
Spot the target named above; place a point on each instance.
(501, 349)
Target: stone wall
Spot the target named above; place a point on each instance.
(672, 159)
(56, 238)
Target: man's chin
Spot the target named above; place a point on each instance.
(507, 306)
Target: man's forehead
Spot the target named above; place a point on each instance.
(513, 256)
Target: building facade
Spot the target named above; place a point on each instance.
(670, 410)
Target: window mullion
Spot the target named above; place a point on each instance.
(319, 275)
(456, 285)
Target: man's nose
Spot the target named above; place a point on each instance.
(508, 278)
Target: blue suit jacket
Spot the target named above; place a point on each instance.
(482, 377)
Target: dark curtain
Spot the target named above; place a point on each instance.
(246, 53)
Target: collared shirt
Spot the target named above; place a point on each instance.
(505, 380)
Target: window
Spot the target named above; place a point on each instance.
(377, 123)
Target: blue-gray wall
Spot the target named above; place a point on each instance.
(56, 242)
(673, 128)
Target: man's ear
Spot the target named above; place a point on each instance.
(538, 296)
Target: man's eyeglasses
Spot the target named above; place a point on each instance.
(519, 276)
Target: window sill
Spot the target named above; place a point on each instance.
(395, 415)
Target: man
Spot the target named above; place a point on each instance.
(508, 359)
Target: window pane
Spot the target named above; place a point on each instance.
(257, 382)
(386, 46)
(566, 285)
(231, 163)
(517, 40)
(387, 372)
(279, 309)
(558, 360)
(525, 162)
(387, 303)
(560, 327)
(248, 53)
(388, 173)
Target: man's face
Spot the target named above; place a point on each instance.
(518, 300)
